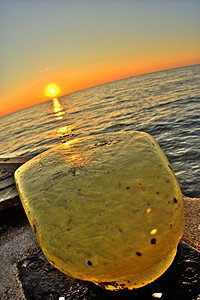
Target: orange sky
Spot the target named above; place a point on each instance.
(77, 46)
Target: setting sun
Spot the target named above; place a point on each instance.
(52, 90)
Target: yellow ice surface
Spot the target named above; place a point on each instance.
(105, 208)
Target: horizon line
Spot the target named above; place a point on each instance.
(76, 91)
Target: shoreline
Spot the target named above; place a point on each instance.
(192, 227)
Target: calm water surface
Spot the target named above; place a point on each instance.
(165, 104)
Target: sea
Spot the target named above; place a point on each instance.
(165, 104)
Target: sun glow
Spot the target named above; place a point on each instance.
(52, 90)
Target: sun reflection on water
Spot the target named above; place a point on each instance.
(64, 132)
(58, 109)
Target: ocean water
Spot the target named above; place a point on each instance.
(165, 104)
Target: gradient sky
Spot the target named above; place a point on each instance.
(77, 44)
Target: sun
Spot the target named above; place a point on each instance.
(52, 90)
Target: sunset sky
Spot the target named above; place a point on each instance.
(78, 44)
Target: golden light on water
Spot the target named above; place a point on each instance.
(64, 131)
(57, 108)
(59, 115)
(67, 143)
